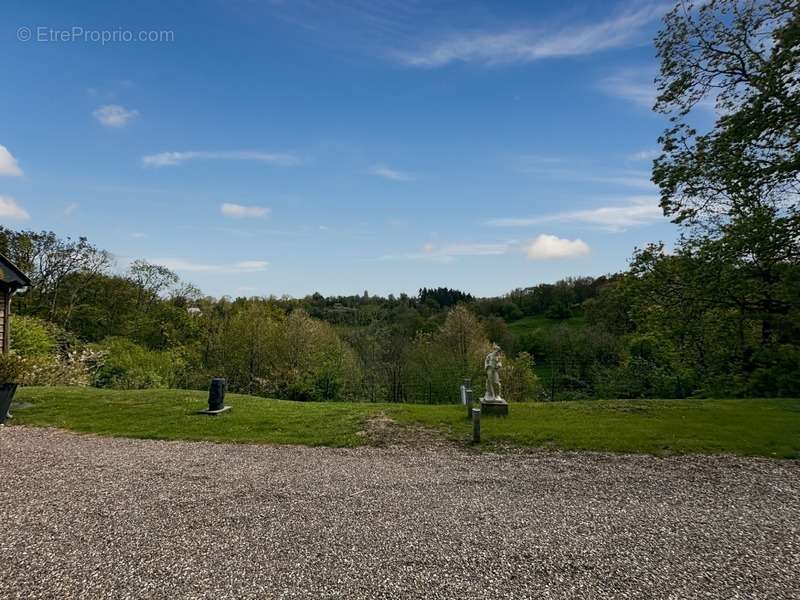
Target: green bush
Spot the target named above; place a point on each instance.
(50, 356)
(73, 367)
(130, 366)
(639, 377)
(11, 368)
(519, 381)
(777, 373)
(32, 337)
(439, 362)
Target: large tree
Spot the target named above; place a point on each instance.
(741, 57)
(729, 297)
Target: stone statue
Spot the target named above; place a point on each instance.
(492, 365)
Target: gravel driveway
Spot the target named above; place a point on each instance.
(86, 517)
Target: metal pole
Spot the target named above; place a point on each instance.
(476, 425)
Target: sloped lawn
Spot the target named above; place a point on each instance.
(761, 427)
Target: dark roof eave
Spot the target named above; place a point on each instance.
(26, 282)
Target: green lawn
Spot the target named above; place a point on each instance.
(762, 427)
(172, 414)
(747, 427)
(529, 324)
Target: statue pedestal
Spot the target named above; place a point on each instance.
(494, 407)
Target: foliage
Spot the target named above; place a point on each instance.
(518, 379)
(51, 356)
(743, 56)
(574, 354)
(70, 367)
(12, 368)
(442, 297)
(31, 336)
(261, 351)
(721, 310)
(59, 269)
(127, 365)
(440, 361)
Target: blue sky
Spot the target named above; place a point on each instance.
(262, 147)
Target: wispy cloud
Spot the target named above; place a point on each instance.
(181, 264)
(637, 85)
(551, 247)
(114, 115)
(238, 211)
(392, 174)
(10, 209)
(8, 164)
(70, 208)
(629, 179)
(543, 247)
(449, 252)
(532, 44)
(138, 235)
(634, 85)
(637, 211)
(649, 154)
(168, 159)
(560, 169)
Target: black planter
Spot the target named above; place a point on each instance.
(7, 391)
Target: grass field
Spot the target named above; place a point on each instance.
(529, 324)
(764, 427)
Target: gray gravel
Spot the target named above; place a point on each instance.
(87, 517)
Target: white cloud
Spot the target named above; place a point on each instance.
(138, 235)
(558, 169)
(544, 247)
(180, 264)
(645, 155)
(634, 85)
(9, 209)
(638, 87)
(449, 252)
(250, 265)
(550, 247)
(8, 164)
(70, 208)
(636, 180)
(474, 249)
(392, 174)
(114, 115)
(238, 211)
(638, 210)
(529, 45)
(165, 159)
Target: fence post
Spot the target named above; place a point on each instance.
(476, 425)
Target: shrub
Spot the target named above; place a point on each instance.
(74, 367)
(440, 361)
(11, 368)
(519, 381)
(32, 337)
(130, 366)
(640, 377)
